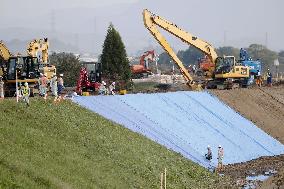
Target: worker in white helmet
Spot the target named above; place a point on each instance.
(103, 89)
(1, 88)
(208, 156)
(112, 88)
(220, 158)
(53, 86)
(26, 93)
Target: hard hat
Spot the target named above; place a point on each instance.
(41, 74)
(26, 84)
(61, 75)
(113, 83)
(208, 146)
(219, 146)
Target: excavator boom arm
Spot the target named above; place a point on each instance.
(186, 37)
(150, 23)
(39, 45)
(5, 54)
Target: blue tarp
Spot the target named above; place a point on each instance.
(187, 122)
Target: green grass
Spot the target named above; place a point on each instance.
(144, 86)
(66, 146)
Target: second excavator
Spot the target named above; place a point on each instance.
(227, 73)
(141, 69)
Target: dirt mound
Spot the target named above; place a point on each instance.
(263, 106)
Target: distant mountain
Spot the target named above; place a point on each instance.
(222, 22)
(20, 46)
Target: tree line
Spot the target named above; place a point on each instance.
(115, 65)
(256, 51)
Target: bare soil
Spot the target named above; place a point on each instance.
(265, 108)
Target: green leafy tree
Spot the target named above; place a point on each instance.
(190, 55)
(228, 51)
(115, 65)
(165, 63)
(281, 57)
(68, 64)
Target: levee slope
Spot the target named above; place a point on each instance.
(187, 122)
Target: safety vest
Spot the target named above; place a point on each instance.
(25, 90)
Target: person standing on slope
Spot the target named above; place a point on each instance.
(220, 158)
(208, 156)
(60, 85)
(1, 88)
(53, 85)
(43, 85)
(26, 93)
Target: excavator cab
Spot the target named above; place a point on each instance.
(26, 67)
(224, 64)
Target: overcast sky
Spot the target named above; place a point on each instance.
(83, 23)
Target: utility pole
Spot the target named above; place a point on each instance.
(94, 34)
(76, 39)
(225, 38)
(266, 39)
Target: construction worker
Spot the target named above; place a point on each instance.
(209, 153)
(60, 86)
(43, 85)
(111, 88)
(1, 88)
(258, 79)
(190, 68)
(53, 86)
(103, 89)
(269, 78)
(19, 91)
(26, 93)
(194, 69)
(220, 158)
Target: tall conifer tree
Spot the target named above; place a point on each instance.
(115, 64)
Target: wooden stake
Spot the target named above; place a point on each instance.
(165, 178)
(162, 176)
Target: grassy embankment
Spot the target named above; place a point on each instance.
(66, 146)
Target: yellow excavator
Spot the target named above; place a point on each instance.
(41, 45)
(17, 70)
(226, 72)
(5, 54)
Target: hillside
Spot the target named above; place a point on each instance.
(262, 106)
(66, 146)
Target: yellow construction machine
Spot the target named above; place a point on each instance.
(37, 46)
(5, 54)
(226, 72)
(17, 70)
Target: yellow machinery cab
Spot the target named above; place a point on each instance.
(226, 67)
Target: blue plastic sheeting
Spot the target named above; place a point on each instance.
(187, 122)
